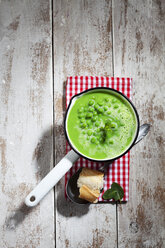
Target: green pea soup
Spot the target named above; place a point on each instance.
(101, 125)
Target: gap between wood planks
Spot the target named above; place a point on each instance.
(52, 32)
(53, 130)
(113, 72)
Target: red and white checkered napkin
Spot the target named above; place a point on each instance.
(119, 170)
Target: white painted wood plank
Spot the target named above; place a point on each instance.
(26, 116)
(82, 46)
(139, 46)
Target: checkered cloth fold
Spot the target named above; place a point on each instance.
(118, 171)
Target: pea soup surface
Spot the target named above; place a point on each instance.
(101, 125)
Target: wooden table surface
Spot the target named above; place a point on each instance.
(41, 43)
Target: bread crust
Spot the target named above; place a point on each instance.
(90, 182)
(88, 194)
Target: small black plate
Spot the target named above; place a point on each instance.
(73, 191)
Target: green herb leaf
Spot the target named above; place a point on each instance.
(116, 192)
(108, 125)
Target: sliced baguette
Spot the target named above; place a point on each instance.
(88, 194)
(91, 178)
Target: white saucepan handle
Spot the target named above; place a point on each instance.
(51, 179)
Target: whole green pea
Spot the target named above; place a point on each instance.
(81, 115)
(89, 115)
(97, 123)
(101, 140)
(91, 109)
(83, 125)
(89, 132)
(114, 100)
(97, 137)
(100, 103)
(80, 110)
(105, 108)
(82, 120)
(93, 140)
(111, 142)
(114, 125)
(96, 106)
(101, 110)
(91, 102)
(90, 126)
(94, 118)
(88, 122)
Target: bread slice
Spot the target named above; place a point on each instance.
(93, 179)
(90, 182)
(88, 194)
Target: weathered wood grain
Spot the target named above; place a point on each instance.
(26, 119)
(139, 46)
(82, 46)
